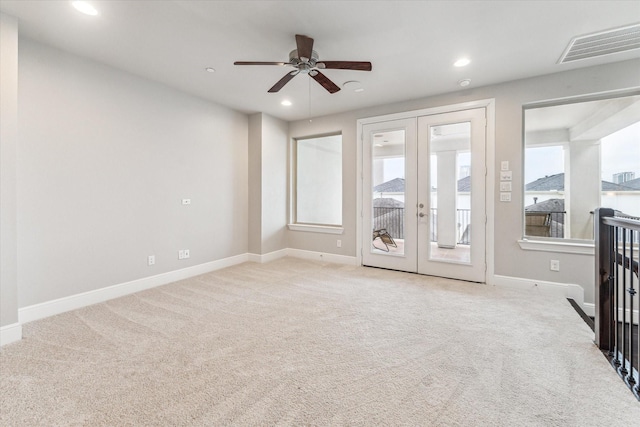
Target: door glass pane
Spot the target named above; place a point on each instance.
(450, 201)
(388, 192)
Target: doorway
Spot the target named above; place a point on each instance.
(423, 197)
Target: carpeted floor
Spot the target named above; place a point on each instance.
(296, 342)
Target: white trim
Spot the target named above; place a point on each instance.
(322, 256)
(589, 309)
(481, 103)
(10, 333)
(268, 257)
(557, 246)
(564, 290)
(73, 302)
(328, 229)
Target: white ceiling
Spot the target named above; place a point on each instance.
(411, 44)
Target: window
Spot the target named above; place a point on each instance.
(318, 181)
(580, 156)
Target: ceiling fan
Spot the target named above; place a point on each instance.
(305, 61)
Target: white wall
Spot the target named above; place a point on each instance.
(8, 144)
(510, 259)
(267, 184)
(104, 159)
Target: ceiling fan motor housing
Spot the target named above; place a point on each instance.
(305, 67)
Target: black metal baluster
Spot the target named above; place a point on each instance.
(622, 370)
(630, 380)
(636, 390)
(616, 349)
(611, 291)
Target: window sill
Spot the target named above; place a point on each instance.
(327, 229)
(587, 248)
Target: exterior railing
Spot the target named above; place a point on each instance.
(617, 238)
(392, 219)
(463, 221)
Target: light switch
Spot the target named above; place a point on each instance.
(505, 186)
(505, 197)
(504, 165)
(505, 176)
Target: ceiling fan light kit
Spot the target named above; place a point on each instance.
(305, 60)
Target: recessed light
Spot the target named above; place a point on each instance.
(286, 103)
(464, 82)
(84, 7)
(378, 145)
(462, 62)
(360, 89)
(210, 70)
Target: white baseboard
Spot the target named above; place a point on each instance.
(321, 256)
(563, 290)
(73, 302)
(271, 256)
(589, 309)
(10, 333)
(30, 313)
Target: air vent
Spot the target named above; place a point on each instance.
(602, 43)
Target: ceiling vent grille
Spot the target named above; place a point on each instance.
(602, 43)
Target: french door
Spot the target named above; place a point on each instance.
(423, 207)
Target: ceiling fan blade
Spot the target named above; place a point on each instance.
(259, 63)
(305, 46)
(325, 82)
(345, 65)
(283, 81)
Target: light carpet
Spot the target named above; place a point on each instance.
(296, 342)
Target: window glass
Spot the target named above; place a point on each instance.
(580, 156)
(318, 178)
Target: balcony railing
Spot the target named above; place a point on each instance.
(392, 219)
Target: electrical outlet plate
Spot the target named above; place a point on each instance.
(506, 176)
(186, 253)
(151, 260)
(554, 265)
(186, 201)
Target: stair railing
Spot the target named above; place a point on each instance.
(617, 238)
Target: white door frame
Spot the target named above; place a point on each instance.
(489, 105)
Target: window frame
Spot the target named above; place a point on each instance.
(560, 244)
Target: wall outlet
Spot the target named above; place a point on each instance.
(151, 260)
(181, 254)
(186, 253)
(339, 243)
(186, 201)
(554, 265)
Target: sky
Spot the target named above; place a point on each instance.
(620, 152)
